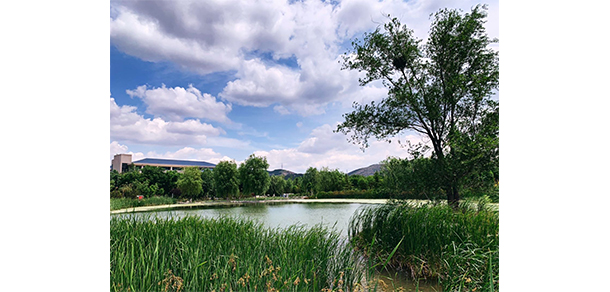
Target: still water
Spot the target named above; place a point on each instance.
(276, 215)
(332, 215)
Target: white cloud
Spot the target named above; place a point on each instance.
(128, 126)
(145, 38)
(322, 139)
(323, 148)
(176, 104)
(228, 143)
(260, 85)
(234, 35)
(281, 110)
(116, 148)
(186, 153)
(213, 36)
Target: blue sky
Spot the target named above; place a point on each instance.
(222, 80)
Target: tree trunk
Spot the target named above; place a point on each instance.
(453, 196)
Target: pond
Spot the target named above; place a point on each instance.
(332, 215)
(276, 215)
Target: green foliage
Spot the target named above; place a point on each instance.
(207, 178)
(277, 186)
(427, 231)
(148, 181)
(297, 185)
(165, 180)
(253, 175)
(358, 182)
(416, 177)
(331, 180)
(440, 89)
(226, 179)
(469, 266)
(190, 184)
(352, 194)
(310, 182)
(227, 254)
(289, 186)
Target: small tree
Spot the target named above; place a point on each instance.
(207, 177)
(311, 181)
(277, 185)
(225, 179)
(288, 186)
(190, 183)
(253, 175)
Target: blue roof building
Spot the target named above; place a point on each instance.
(121, 161)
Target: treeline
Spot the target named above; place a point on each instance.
(398, 179)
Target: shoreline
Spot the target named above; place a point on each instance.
(243, 202)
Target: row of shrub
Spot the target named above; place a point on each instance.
(397, 179)
(376, 194)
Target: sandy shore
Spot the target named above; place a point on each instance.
(240, 203)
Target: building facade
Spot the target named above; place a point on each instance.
(121, 162)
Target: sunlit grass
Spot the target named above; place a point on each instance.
(226, 254)
(434, 241)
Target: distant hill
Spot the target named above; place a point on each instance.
(285, 173)
(366, 171)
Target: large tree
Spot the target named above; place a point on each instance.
(441, 89)
(277, 187)
(226, 181)
(311, 181)
(190, 183)
(207, 185)
(253, 175)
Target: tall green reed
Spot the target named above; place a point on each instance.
(224, 254)
(425, 233)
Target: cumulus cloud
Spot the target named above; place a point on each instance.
(176, 104)
(281, 110)
(186, 153)
(260, 85)
(323, 148)
(127, 125)
(213, 36)
(143, 36)
(322, 139)
(116, 148)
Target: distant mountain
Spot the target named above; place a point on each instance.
(366, 171)
(285, 173)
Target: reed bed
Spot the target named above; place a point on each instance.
(432, 241)
(227, 254)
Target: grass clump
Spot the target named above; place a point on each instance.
(432, 241)
(226, 254)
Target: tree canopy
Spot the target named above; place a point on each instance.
(311, 180)
(190, 183)
(441, 89)
(253, 175)
(226, 182)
